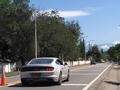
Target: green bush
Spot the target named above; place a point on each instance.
(11, 74)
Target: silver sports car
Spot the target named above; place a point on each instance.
(45, 69)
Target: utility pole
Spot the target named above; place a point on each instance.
(35, 35)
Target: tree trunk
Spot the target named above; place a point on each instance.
(22, 60)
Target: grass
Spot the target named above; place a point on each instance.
(9, 74)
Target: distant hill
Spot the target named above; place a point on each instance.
(106, 46)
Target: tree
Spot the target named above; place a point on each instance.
(95, 53)
(23, 34)
(114, 53)
(55, 36)
(48, 28)
(5, 41)
(72, 39)
(4, 49)
(117, 51)
(103, 55)
(82, 48)
(16, 27)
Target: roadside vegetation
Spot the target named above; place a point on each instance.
(114, 53)
(11, 74)
(56, 37)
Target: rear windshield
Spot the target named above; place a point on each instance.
(41, 61)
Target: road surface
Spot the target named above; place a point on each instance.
(80, 79)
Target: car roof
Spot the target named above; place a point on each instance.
(46, 58)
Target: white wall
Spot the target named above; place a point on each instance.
(76, 63)
(9, 67)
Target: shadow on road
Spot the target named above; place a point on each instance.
(112, 82)
(39, 84)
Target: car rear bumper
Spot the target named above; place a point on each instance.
(30, 80)
(42, 77)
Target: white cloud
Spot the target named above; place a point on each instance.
(116, 42)
(105, 47)
(68, 14)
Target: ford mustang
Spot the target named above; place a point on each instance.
(45, 69)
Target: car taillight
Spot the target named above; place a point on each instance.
(49, 69)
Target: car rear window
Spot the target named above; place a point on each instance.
(41, 61)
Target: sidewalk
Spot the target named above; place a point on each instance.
(111, 80)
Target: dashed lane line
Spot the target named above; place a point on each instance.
(84, 74)
(74, 84)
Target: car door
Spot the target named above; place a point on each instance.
(62, 67)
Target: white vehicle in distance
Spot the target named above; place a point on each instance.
(45, 69)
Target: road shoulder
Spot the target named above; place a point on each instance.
(100, 80)
(111, 81)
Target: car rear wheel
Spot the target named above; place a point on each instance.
(60, 79)
(68, 76)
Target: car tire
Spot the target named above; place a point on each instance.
(60, 79)
(24, 82)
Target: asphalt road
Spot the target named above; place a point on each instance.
(80, 79)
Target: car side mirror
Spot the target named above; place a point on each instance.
(65, 64)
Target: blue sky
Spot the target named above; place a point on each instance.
(98, 19)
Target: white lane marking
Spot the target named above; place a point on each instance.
(90, 70)
(74, 84)
(86, 74)
(86, 88)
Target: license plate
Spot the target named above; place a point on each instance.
(35, 75)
